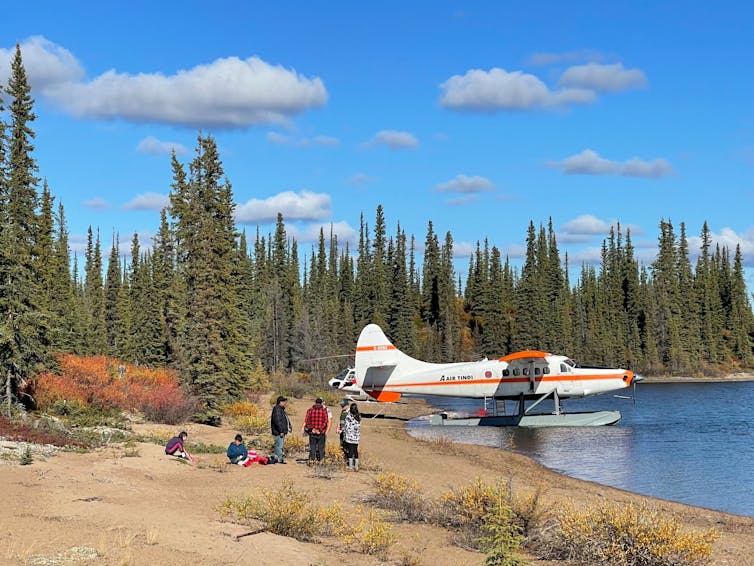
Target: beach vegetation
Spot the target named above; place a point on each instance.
(401, 495)
(371, 534)
(285, 511)
(628, 535)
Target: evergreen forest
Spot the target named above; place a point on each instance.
(225, 307)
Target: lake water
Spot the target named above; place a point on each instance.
(687, 442)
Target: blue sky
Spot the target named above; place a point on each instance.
(478, 116)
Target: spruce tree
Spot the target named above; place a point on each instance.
(215, 362)
(24, 325)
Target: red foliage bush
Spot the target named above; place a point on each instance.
(107, 383)
(20, 432)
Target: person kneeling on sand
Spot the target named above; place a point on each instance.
(175, 447)
(237, 452)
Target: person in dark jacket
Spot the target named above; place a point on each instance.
(237, 452)
(280, 425)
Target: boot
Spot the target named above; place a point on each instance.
(350, 463)
(355, 464)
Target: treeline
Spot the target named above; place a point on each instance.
(225, 311)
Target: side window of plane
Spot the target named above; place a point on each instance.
(563, 368)
(516, 371)
(545, 370)
(537, 371)
(506, 372)
(526, 371)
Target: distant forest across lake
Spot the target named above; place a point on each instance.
(225, 310)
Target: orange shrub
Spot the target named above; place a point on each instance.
(107, 383)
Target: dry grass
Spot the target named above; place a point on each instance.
(400, 495)
(628, 535)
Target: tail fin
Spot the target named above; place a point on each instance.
(376, 361)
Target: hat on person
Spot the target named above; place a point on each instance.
(281, 399)
(344, 402)
(318, 400)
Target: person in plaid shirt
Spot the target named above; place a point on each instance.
(316, 424)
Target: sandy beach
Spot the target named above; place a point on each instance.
(106, 507)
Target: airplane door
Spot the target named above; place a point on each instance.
(532, 382)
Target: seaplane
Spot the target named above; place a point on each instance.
(346, 381)
(527, 378)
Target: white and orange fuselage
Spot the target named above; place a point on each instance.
(386, 373)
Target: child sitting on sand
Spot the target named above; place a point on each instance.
(237, 452)
(242, 456)
(175, 447)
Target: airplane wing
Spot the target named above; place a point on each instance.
(529, 355)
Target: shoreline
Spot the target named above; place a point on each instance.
(731, 378)
(142, 507)
(422, 408)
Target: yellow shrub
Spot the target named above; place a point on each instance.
(252, 424)
(241, 409)
(468, 504)
(631, 535)
(296, 443)
(370, 535)
(399, 494)
(285, 512)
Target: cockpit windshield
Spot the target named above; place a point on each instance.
(570, 362)
(343, 374)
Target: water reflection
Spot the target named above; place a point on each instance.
(692, 443)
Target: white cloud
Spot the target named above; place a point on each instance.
(227, 93)
(727, 237)
(96, 202)
(586, 224)
(465, 184)
(325, 141)
(462, 201)
(148, 201)
(393, 139)
(654, 169)
(589, 256)
(589, 162)
(47, 64)
(304, 205)
(360, 179)
(310, 233)
(568, 56)
(151, 144)
(599, 77)
(498, 89)
(278, 139)
(463, 249)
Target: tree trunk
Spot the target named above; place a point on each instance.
(9, 394)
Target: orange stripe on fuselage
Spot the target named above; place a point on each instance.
(507, 380)
(375, 348)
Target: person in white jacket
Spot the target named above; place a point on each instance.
(352, 436)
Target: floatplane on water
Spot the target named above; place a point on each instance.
(528, 378)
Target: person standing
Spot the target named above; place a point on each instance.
(316, 425)
(352, 436)
(280, 425)
(344, 403)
